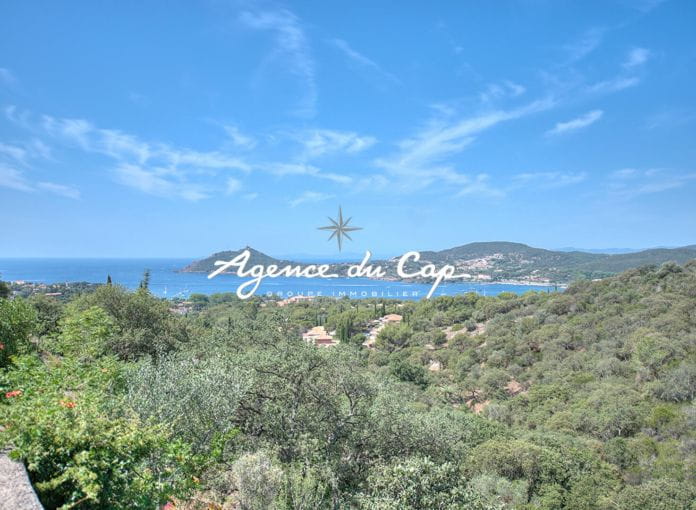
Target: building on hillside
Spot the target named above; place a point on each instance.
(294, 299)
(378, 325)
(320, 337)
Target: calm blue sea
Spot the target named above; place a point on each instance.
(165, 281)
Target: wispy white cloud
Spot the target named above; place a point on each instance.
(291, 49)
(319, 142)
(157, 182)
(283, 169)
(586, 44)
(628, 183)
(614, 84)
(636, 57)
(575, 124)
(310, 197)
(634, 61)
(480, 186)
(13, 151)
(547, 180)
(13, 179)
(59, 189)
(362, 60)
(238, 138)
(250, 196)
(624, 173)
(233, 185)
(421, 160)
(670, 118)
(156, 168)
(495, 91)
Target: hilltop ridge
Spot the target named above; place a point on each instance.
(497, 261)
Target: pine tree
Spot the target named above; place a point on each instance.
(108, 279)
(145, 282)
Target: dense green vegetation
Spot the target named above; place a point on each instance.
(577, 400)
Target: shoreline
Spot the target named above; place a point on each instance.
(430, 281)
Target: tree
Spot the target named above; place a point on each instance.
(418, 483)
(394, 337)
(408, 372)
(17, 322)
(108, 279)
(48, 312)
(84, 334)
(4, 290)
(145, 282)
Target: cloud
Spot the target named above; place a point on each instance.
(238, 138)
(636, 57)
(319, 142)
(310, 197)
(233, 185)
(421, 160)
(589, 42)
(59, 189)
(14, 152)
(547, 180)
(13, 179)
(156, 168)
(495, 91)
(362, 60)
(291, 49)
(614, 85)
(628, 183)
(578, 123)
(156, 182)
(479, 186)
(624, 173)
(250, 196)
(283, 169)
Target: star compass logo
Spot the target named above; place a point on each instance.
(340, 228)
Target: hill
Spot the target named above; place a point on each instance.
(516, 261)
(207, 264)
(501, 261)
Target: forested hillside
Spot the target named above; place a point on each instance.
(575, 400)
(499, 261)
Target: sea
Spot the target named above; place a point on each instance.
(166, 280)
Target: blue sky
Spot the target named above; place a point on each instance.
(179, 128)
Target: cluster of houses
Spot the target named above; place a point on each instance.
(181, 307)
(377, 325)
(319, 337)
(294, 299)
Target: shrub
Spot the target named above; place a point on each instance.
(656, 495)
(80, 456)
(418, 483)
(409, 372)
(197, 398)
(48, 313)
(84, 334)
(17, 322)
(258, 481)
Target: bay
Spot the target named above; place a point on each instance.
(166, 281)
